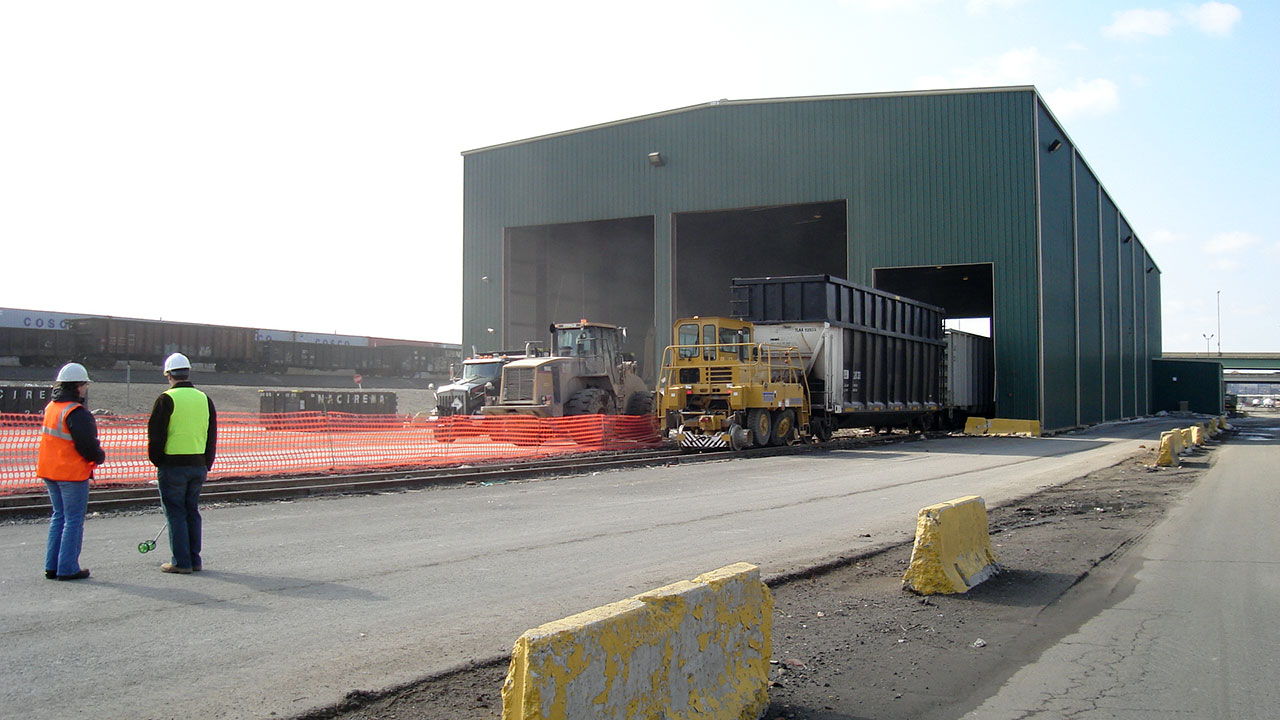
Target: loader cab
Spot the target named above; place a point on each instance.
(586, 340)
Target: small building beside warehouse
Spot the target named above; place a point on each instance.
(975, 201)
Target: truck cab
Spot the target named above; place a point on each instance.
(478, 385)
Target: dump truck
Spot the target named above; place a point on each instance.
(801, 357)
(476, 386)
(584, 372)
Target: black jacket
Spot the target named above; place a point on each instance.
(82, 426)
(158, 435)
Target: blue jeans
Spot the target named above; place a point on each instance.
(180, 495)
(66, 527)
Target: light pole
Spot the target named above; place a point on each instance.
(1207, 338)
(1219, 323)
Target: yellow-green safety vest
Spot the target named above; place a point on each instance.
(189, 424)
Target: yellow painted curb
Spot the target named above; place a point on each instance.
(693, 649)
(952, 551)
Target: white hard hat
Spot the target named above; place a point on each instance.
(73, 372)
(176, 361)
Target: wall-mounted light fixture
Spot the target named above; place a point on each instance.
(1127, 238)
(484, 278)
(656, 159)
(1149, 270)
(489, 330)
(1055, 146)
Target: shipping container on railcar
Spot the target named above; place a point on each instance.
(25, 399)
(415, 358)
(104, 341)
(36, 338)
(280, 350)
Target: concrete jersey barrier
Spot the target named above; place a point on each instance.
(692, 649)
(952, 551)
(1001, 426)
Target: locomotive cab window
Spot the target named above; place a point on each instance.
(686, 338)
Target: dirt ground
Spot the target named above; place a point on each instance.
(849, 643)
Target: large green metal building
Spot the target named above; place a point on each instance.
(973, 200)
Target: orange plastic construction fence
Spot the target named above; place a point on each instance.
(253, 444)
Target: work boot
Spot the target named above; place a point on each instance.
(84, 573)
(171, 568)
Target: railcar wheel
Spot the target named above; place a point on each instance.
(821, 429)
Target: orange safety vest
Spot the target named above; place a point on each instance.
(58, 459)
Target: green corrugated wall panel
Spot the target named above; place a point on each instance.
(1110, 309)
(1089, 282)
(1140, 356)
(1154, 318)
(1058, 277)
(1128, 355)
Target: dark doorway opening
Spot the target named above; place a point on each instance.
(712, 248)
(963, 291)
(600, 271)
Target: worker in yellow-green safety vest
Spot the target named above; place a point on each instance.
(182, 438)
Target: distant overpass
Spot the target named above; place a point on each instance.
(1232, 361)
(1256, 377)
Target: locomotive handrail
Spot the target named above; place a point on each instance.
(783, 363)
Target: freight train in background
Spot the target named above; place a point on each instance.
(48, 339)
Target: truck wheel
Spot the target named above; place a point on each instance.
(759, 423)
(784, 428)
(640, 403)
(442, 429)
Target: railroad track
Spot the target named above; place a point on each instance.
(231, 490)
(251, 490)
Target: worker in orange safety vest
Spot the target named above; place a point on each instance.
(69, 451)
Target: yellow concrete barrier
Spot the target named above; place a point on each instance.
(1175, 441)
(692, 649)
(1188, 441)
(1168, 454)
(1001, 426)
(1198, 434)
(953, 551)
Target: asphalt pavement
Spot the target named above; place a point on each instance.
(1193, 630)
(302, 602)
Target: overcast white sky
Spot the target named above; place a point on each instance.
(297, 165)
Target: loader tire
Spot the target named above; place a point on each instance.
(589, 401)
(640, 403)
